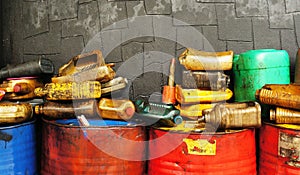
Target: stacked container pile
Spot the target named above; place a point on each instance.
(200, 143)
(18, 139)
(279, 135)
(76, 139)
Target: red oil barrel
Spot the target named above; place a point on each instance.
(279, 146)
(219, 153)
(104, 147)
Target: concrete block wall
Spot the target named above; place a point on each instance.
(141, 36)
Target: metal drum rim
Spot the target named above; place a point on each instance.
(283, 126)
(11, 126)
(232, 131)
(54, 123)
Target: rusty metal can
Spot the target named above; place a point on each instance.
(55, 110)
(104, 147)
(283, 115)
(116, 108)
(82, 62)
(216, 153)
(280, 95)
(188, 96)
(205, 80)
(70, 91)
(279, 149)
(197, 60)
(234, 115)
(20, 88)
(15, 112)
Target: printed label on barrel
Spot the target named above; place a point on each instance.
(201, 147)
(289, 146)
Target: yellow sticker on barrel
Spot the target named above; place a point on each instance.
(201, 146)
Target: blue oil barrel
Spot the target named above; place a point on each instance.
(18, 153)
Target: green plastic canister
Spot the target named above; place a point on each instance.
(255, 68)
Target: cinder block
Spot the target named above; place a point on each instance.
(113, 15)
(131, 49)
(292, 6)
(289, 43)
(211, 40)
(135, 8)
(277, 15)
(264, 37)
(297, 28)
(190, 36)
(163, 27)
(51, 40)
(35, 18)
(159, 51)
(140, 29)
(251, 8)
(158, 7)
(230, 27)
(71, 47)
(239, 47)
(111, 41)
(222, 1)
(59, 10)
(87, 24)
(192, 13)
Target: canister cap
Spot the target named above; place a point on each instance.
(261, 59)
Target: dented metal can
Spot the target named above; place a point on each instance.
(103, 74)
(279, 149)
(15, 112)
(205, 80)
(280, 95)
(113, 85)
(82, 62)
(283, 115)
(70, 91)
(55, 110)
(20, 88)
(197, 60)
(116, 108)
(188, 96)
(234, 115)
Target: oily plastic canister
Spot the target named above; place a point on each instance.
(104, 147)
(219, 153)
(255, 68)
(18, 149)
(279, 148)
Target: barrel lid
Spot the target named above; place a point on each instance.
(94, 122)
(197, 128)
(284, 126)
(261, 59)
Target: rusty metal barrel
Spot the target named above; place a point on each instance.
(18, 148)
(104, 147)
(219, 153)
(279, 147)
